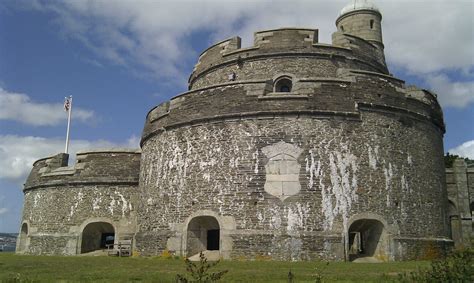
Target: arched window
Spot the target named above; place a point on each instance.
(371, 24)
(283, 84)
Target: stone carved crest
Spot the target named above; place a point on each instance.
(282, 170)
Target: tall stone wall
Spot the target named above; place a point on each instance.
(61, 201)
(346, 169)
(460, 185)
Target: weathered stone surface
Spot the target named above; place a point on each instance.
(347, 162)
(61, 201)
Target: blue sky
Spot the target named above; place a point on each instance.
(120, 58)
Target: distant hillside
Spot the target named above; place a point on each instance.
(8, 241)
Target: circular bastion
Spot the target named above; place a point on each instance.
(80, 208)
(294, 150)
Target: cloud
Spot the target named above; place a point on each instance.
(455, 94)
(465, 150)
(19, 107)
(428, 37)
(3, 210)
(17, 153)
(156, 38)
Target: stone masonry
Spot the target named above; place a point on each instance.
(288, 150)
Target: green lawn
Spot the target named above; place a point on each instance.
(113, 269)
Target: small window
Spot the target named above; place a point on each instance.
(342, 28)
(371, 24)
(283, 84)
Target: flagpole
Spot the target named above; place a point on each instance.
(68, 124)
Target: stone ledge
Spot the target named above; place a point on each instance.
(283, 96)
(81, 183)
(110, 150)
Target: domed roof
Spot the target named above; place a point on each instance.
(356, 5)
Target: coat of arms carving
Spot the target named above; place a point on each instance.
(282, 170)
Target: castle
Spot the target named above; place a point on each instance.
(289, 150)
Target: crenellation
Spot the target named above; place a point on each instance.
(286, 150)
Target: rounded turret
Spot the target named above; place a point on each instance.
(363, 19)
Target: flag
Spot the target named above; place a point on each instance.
(67, 104)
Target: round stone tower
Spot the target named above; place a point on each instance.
(295, 150)
(363, 19)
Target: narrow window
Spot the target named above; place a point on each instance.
(342, 28)
(371, 24)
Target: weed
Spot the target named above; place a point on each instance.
(458, 267)
(320, 272)
(199, 272)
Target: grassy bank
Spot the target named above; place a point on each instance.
(112, 269)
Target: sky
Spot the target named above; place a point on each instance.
(120, 58)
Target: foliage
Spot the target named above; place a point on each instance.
(291, 277)
(320, 272)
(166, 254)
(459, 267)
(199, 272)
(449, 160)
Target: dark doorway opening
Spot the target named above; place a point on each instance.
(107, 239)
(213, 240)
(23, 238)
(96, 236)
(203, 234)
(366, 239)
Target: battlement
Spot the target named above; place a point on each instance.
(286, 42)
(114, 165)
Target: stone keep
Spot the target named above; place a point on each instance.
(289, 150)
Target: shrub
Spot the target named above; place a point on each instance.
(458, 267)
(199, 272)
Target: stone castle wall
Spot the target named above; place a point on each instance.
(460, 184)
(346, 162)
(283, 51)
(60, 201)
(364, 140)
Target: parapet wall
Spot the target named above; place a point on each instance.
(97, 166)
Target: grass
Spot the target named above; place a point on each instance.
(155, 269)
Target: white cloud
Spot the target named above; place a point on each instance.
(3, 210)
(456, 94)
(428, 36)
(19, 107)
(156, 37)
(133, 142)
(465, 150)
(17, 153)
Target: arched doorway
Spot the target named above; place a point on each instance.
(97, 236)
(22, 245)
(203, 234)
(367, 239)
